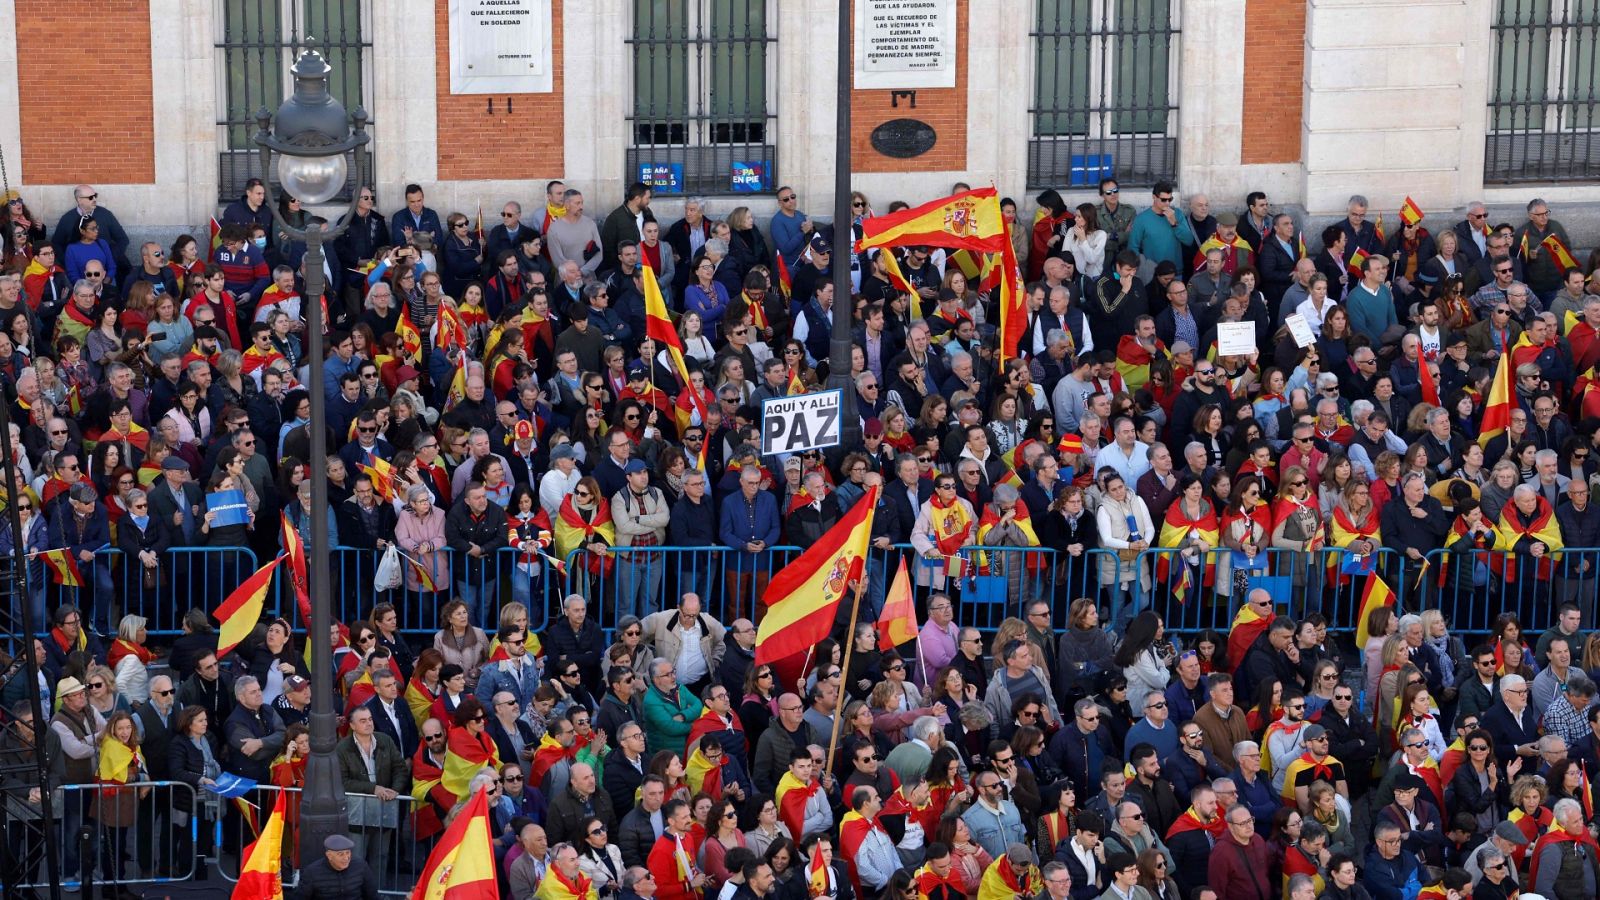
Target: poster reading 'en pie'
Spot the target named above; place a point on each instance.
(905, 44)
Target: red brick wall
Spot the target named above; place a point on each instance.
(1274, 30)
(474, 144)
(92, 124)
(943, 108)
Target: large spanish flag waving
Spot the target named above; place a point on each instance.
(461, 866)
(242, 610)
(63, 568)
(260, 875)
(802, 597)
(658, 327)
(969, 220)
(295, 550)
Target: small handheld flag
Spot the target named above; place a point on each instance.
(1410, 212)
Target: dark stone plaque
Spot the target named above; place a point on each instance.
(904, 138)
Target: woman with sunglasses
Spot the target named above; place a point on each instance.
(35, 539)
(1481, 786)
(598, 859)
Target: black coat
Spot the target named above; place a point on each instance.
(1507, 733)
(622, 782)
(186, 763)
(586, 647)
(1353, 742)
(406, 738)
(318, 881)
(1402, 530)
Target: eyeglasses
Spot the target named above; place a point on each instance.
(857, 204)
(1162, 704)
(166, 693)
(867, 759)
(1134, 817)
(97, 685)
(595, 831)
(515, 779)
(1110, 191)
(1505, 271)
(786, 199)
(1166, 199)
(1478, 748)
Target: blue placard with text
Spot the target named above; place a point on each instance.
(663, 178)
(749, 177)
(230, 508)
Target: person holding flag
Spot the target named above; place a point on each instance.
(671, 859)
(1542, 257)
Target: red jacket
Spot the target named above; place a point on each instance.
(663, 864)
(1241, 872)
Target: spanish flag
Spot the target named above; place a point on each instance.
(242, 610)
(1430, 389)
(1374, 594)
(796, 387)
(555, 886)
(792, 797)
(1247, 626)
(897, 279)
(817, 876)
(1356, 260)
(658, 327)
(802, 597)
(464, 755)
(1497, 410)
(704, 775)
(1134, 359)
(216, 236)
(425, 580)
(1176, 527)
(1003, 881)
(1410, 212)
(898, 621)
(410, 338)
(549, 754)
(784, 283)
(260, 874)
(1559, 252)
(969, 220)
(1322, 769)
(1013, 297)
(295, 550)
(63, 568)
(461, 866)
(572, 531)
(1510, 530)
(382, 475)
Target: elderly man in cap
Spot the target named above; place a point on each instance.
(80, 525)
(339, 875)
(78, 726)
(294, 704)
(1505, 840)
(177, 502)
(641, 515)
(560, 480)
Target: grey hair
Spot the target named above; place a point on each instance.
(82, 284)
(1055, 336)
(1566, 806)
(1218, 785)
(695, 201)
(1005, 493)
(135, 495)
(1535, 203)
(482, 780)
(1580, 685)
(1359, 408)
(1296, 882)
(633, 876)
(1552, 743)
(1524, 490)
(417, 492)
(925, 727)
(717, 246)
(1511, 681)
(1051, 868)
(1385, 826)
(1244, 747)
(244, 683)
(1408, 620)
(655, 667)
(1409, 733)
(1490, 854)
(1437, 413)
(1358, 200)
(1413, 476)
(1083, 706)
(1544, 456)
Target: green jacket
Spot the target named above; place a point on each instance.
(667, 721)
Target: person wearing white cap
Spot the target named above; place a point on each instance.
(79, 727)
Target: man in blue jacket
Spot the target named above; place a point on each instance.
(416, 217)
(1388, 873)
(749, 526)
(81, 527)
(1080, 748)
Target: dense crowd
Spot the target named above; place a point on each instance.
(498, 388)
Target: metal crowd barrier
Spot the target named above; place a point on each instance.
(1474, 588)
(381, 829)
(128, 838)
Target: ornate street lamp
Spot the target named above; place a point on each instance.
(312, 140)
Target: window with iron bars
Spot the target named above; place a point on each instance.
(257, 43)
(704, 96)
(1544, 112)
(1105, 92)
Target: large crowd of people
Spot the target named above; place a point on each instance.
(500, 417)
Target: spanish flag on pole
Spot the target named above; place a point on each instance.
(295, 549)
(260, 875)
(63, 568)
(1497, 409)
(658, 327)
(1410, 212)
(1356, 260)
(897, 279)
(1430, 389)
(242, 610)
(1559, 252)
(461, 866)
(897, 623)
(1374, 593)
(802, 597)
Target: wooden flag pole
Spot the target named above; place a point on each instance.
(849, 648)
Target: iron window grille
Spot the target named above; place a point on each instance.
(1544, 114)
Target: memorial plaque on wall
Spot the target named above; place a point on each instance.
(905, 44)
(501, 47)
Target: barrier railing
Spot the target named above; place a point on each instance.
(641, 580)
(115, 834)
(1476, 586)
(381, 829)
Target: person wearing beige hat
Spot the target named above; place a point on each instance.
(79, 728)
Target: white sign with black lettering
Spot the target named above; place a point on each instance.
(501, 47)
(905, 44)
(800, 423)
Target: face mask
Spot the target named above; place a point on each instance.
(261, 242)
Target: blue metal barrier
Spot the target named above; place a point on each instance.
(137, 835)
(642, 580)
(1473, 588)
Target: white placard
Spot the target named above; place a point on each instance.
(1300, 330)
(1236, 338)
(800, 423)
(501, 47)
(905, 44)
